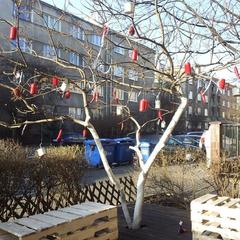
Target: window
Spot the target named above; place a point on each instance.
(228, 92)
(133, 75)
(24, 10)
(206, 125)
(190, 110)
(25, 46)
(101, 90)
(190, 81)
(75, 112)
(190, 95)
(223, 103)
(228, 104)
(199, 97)
(96, 40)
(199, 110)
(52, 22)
(223, 114)
(120, 94)
(205, 112)
(199, 126)
(206, 97)
(49, 52)
(118, 71)
(119, 50)
(75, 59)
(77, 32)
(133, 96)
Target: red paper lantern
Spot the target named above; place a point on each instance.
(13, 33)
(67, 94)
(221, 84)
(55, 81)
(143, 105)
(236, 72)
(59, 136)
(131, 30)
(33, 88)
(134, 54)
(159, 115)
(187, 68)
(85, 132)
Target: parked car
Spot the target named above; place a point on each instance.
(70, 138)
(195, 133)
(188, 140)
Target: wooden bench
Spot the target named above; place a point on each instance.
(88, 220)
(215, 217)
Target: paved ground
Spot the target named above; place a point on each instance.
(159, 223)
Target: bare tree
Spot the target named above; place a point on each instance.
(163, 37)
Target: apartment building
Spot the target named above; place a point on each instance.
(47, 33)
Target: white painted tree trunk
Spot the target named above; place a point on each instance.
(137, 218)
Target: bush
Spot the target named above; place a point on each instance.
(179, 156)
(59, 171)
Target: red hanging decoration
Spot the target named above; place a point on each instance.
(85, 132)
(236, 72)
(105, 30)
(59, 136)
(33, 88)
(135, 55)
(131, 30)
(13, 33)
(221, 84)
(187, 68)
(67, 94)
(55, 81)
(143, 105)
(203, 97)
(95, 96)
(159, 115)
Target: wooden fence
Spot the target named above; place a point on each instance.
(27, 204)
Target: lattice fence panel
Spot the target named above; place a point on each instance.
(28, 204)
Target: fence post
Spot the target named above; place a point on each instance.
(214, 150)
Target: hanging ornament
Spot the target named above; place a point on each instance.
(55, 81)
(221, 83)
(129, 7)
(187, 68)
(236, 72)
(131, 30)
(203, 97)
(85, 132)
(41, 151)
(119, 110)
(143, 105)
(59, 136)
(17, 92)
(135, 55)
(95, 96)
(105, 30)
(163, 124)
(159, 115)
(13, 33)
(67, 94)
(64, 87)
(33, 88)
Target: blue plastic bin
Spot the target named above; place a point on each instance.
(92, 154)
(123, 154)
(146, 149)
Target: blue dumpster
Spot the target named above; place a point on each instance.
(146, 149)
(92, 154)
(123, 154)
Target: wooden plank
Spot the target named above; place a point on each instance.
(75, 225)
(225, 233)
(217, 201)
(48, 219)
(97, 206)
(77, 211)
(203, 198)
(62, 215)
(90, 231)
(33, 223)
(16, 229)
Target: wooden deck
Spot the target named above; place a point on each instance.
(159, 223)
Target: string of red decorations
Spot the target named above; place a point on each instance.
(13, 33)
